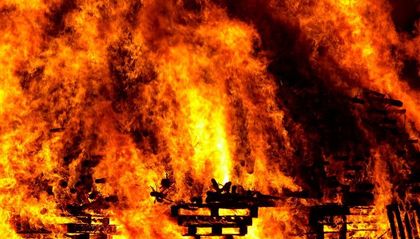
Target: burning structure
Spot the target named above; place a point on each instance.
(311, 106)
(222, 198)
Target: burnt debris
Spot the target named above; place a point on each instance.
(347, 177)
(227, 210)
(340, 221)
(404, 220)
(384, 118)
(90, 227)
(85, 215)
(161, 194)
(86, 224)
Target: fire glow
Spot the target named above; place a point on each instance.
(116, 115)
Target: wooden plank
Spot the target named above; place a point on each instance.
(203, 221)
(408, 226)
(390, 213)
(399, 222)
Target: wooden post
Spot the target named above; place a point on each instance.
(399, 222)
(216, 230)
(254, 211)
(389, 210)
(408, 226)
(192, 230)
(243, 230)
(214, 211)
(343, 229)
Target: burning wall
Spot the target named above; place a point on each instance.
(257, 92)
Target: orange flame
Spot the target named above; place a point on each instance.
(183, 88)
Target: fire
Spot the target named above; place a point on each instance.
(102, 100)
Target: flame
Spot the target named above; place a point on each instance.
(192, 89)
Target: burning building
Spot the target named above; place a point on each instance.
(254, 119)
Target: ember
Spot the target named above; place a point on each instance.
(115, 115)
